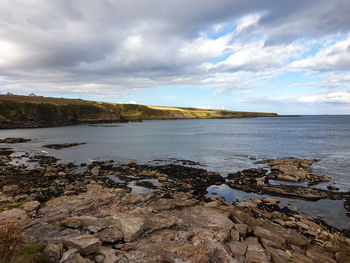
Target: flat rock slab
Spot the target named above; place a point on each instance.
(86, 244)
(131, 226)
(110, 235)
(13, 214)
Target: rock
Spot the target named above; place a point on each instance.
(13, 214)
(72, 256)
(14, 140)
(62, 145)
(256, 254)
(86, 244)
(10, 189)
(277, 255)
(165, 259)
(159, 221)
(271, 201)
(99, 259)
(332, 187)
(162, 179)
(61, 174)
(237, 248)
(243, 229)
(31, 206)
(299, 257)
(234, 235)
(342, 257)
(71, 222)
(131, 226)
(95, 171)
(109, 255)
(269, 235)
(319, 256)
(53, 252)
(268, 243)
(110, 235)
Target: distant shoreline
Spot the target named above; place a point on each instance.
(41, 112)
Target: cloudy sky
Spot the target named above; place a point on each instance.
(290, 57)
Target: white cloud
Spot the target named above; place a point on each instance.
(335, 57)
(255, 56)
(247, 22)
(330, 97)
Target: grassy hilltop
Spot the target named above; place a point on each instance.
(36, 111)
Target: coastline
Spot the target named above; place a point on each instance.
(63, 206)
(38, 112)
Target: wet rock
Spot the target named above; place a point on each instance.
(43, 159)
(86, 244)
(146, 184)
(270, 201)
(62, 145)
(294, 170)
(332, 187)
(14, 140)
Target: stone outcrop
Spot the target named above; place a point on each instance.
(85, 244)
(87, 217)
(294, 170)
(63, 145)
(14, 140)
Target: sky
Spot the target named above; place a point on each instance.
(289, 57)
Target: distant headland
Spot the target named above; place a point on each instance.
(17, 111)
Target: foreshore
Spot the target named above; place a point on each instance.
(93, 213)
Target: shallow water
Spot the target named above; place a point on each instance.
(221, 145)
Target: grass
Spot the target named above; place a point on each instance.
(13, 248)
(10, 206)
(184, 229)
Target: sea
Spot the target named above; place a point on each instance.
(220, 145)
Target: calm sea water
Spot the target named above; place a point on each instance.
(221, 145)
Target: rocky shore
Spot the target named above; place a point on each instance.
(89, 213)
